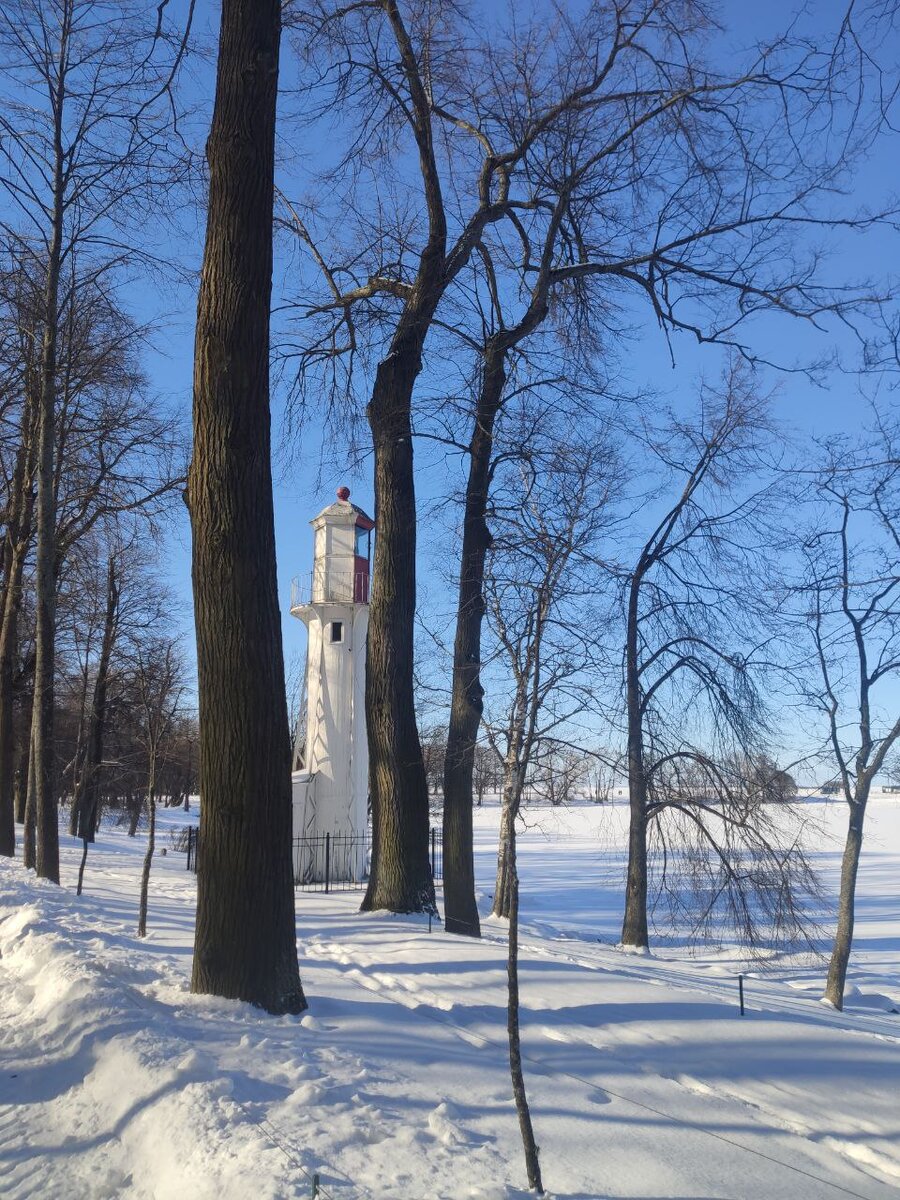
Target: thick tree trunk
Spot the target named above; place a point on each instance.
(42, 713)
(843, 938)
(634, 925)
(245, 944)
(41, 761)
(466, 706)
(14, 561)
(400, 878)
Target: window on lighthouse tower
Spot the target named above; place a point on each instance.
(337, 631)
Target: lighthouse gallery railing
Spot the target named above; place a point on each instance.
(330, 585)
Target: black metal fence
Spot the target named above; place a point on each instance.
(331, 862)
(336, 862)
(436, 843)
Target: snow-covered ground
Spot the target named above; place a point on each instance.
(644, 1079)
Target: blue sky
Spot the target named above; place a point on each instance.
(300, 492)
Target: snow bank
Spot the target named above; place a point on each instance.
(109, 1091)
(644, 1079)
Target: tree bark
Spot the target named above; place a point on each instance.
(532, 1161)
(400, 877)
(634, 925)
(42, 713)
(81, 865)
(151, 846)
(29, 847)
(843, 938)
(18, 536)
(22, 751)
(41, 760)
(245, 942)
(502, 887)
(467, 705)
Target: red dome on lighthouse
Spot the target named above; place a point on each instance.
(343, 493)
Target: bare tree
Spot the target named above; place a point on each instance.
(503, 374)
(596, 162)
(116, 453)
(558, 771)
(158, 675)
(89, 757)
(601, 776)
(297, 705)
(84, 130)
(181, 772)
(17, 320)
(852, 589)
(434, 749)
(543, 586)
(113, 610)
(245, 944)
(540, 583)
(485, 773)
(701, 635)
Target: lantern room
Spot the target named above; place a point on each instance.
(341, 557)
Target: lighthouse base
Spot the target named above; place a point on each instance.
(327, 848)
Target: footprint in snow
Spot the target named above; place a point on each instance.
(444, 1127)
(314, 1025)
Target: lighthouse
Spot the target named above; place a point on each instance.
(331, 784)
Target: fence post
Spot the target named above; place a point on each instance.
(190, 845)
(433, 840)
(327, 859)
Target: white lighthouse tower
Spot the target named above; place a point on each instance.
(332, 785)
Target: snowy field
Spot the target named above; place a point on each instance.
(644, 1079)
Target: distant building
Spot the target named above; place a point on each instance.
(331, 786)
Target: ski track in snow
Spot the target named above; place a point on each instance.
(759, 994)
(411, 995)
(116, 1082)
